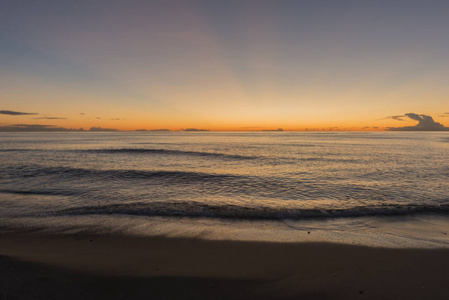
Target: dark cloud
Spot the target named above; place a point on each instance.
(425, 123)
(117, 119)
(98, 118)
(35, 127)
(82, 114)
(50, 118)
(15, 113)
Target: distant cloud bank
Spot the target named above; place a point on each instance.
(39, 127)
(163, 130)
(101, 129)
(279, 129)
(425, 123)
(35, 127)
(15, 113)
(194, 129)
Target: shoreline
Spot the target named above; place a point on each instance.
(423, 231)
(127, 267)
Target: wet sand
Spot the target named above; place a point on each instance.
(122, 267)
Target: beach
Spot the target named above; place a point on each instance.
(236, 150)
(36, 266)
(224, 216)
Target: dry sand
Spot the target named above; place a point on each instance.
(118, 267)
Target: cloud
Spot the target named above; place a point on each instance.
(397, 118)
(50, 118)
(194, 129)
(82, 114)
(101, 129)
(34, 127)
(117, 119)
(279, 129)
(15, 113)
(163, 130)
(425, 123)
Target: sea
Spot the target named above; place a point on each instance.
(386, 189)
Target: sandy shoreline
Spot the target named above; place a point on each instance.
(124, 267)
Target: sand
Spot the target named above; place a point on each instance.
(36, 266)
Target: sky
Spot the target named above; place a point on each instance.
(224, 65)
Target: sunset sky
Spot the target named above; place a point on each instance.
(224, 65)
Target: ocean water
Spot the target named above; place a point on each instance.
(248, 185)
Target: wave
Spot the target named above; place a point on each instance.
(19, 150)
(202, 210)
(169, 152)
(146, 151)
(66, 172)
(40, 192)
(264, 159)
